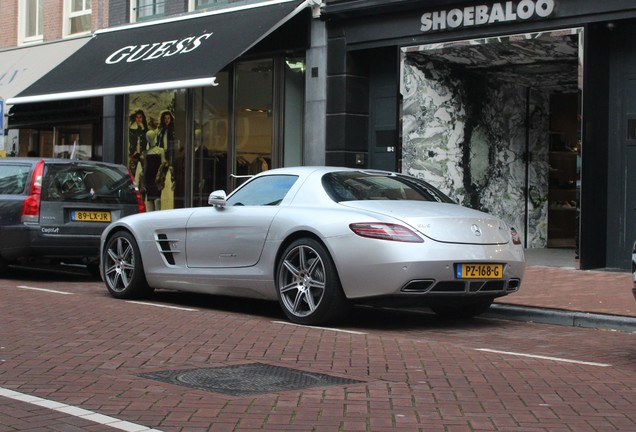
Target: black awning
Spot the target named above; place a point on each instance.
(20, 67)
(160, 55)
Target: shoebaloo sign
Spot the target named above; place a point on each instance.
(485, 14)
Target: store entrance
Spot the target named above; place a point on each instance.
(495, 123)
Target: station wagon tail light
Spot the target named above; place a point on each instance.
(385, 231)
(141, 206)
(31, 205)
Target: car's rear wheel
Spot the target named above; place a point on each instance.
(308, 286)
(463, 308)
(123, 269)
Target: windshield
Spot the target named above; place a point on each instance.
(364, 185)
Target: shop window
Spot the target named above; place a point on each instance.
(294, 111)
(30, 21)
(148, 9)
(155, 152)
(253, 117)
(78, 19)
(211, 139)
(69, 141)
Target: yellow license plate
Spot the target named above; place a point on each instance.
(479, 271)
(90, 216)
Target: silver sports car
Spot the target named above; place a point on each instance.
(319, 239)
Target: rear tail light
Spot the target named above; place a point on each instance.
(141, 206)
(31, 205)
(385, 231)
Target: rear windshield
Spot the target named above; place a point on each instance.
(81, 182)
(368, 185)
(13, 179)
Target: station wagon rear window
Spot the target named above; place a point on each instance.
(88, 183)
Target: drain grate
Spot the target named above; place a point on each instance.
(247, 379)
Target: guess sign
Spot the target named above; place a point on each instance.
(147, 52)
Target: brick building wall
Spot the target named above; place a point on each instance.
(8, 23)
(52, 21)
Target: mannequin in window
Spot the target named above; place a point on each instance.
(137, 128)
(154, 162)
(165, 139)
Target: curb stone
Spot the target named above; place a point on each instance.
(561, 317)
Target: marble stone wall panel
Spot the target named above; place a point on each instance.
(466, 134)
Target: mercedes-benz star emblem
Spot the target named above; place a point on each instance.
(475, 229)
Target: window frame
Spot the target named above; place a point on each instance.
(134, 8)
(23, 16)
(70, 15)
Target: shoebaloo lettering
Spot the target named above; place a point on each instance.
(146, 52)
(486, 14)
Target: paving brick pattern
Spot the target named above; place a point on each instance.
(417, 373)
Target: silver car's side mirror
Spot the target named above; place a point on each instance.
(217, 198)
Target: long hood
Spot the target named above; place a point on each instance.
(449, 223)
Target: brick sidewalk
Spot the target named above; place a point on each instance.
(568, 289)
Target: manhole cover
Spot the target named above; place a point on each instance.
(247, 379)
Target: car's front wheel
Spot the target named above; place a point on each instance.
(308, 286)
(123, 269)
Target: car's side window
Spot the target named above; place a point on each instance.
(13, 179)
(266, 190)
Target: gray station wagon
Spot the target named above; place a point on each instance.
(56, 209)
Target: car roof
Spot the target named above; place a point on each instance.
(306, 170)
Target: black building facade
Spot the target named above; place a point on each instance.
(526, 109)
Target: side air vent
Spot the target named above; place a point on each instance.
(164, 247)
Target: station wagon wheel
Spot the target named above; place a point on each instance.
(123, 270)
(308, 286)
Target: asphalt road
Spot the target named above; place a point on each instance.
(74, 359)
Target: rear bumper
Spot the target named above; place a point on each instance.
(34, 241)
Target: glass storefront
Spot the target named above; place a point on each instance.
(70, 141)
(182, 145)
(56, 129)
